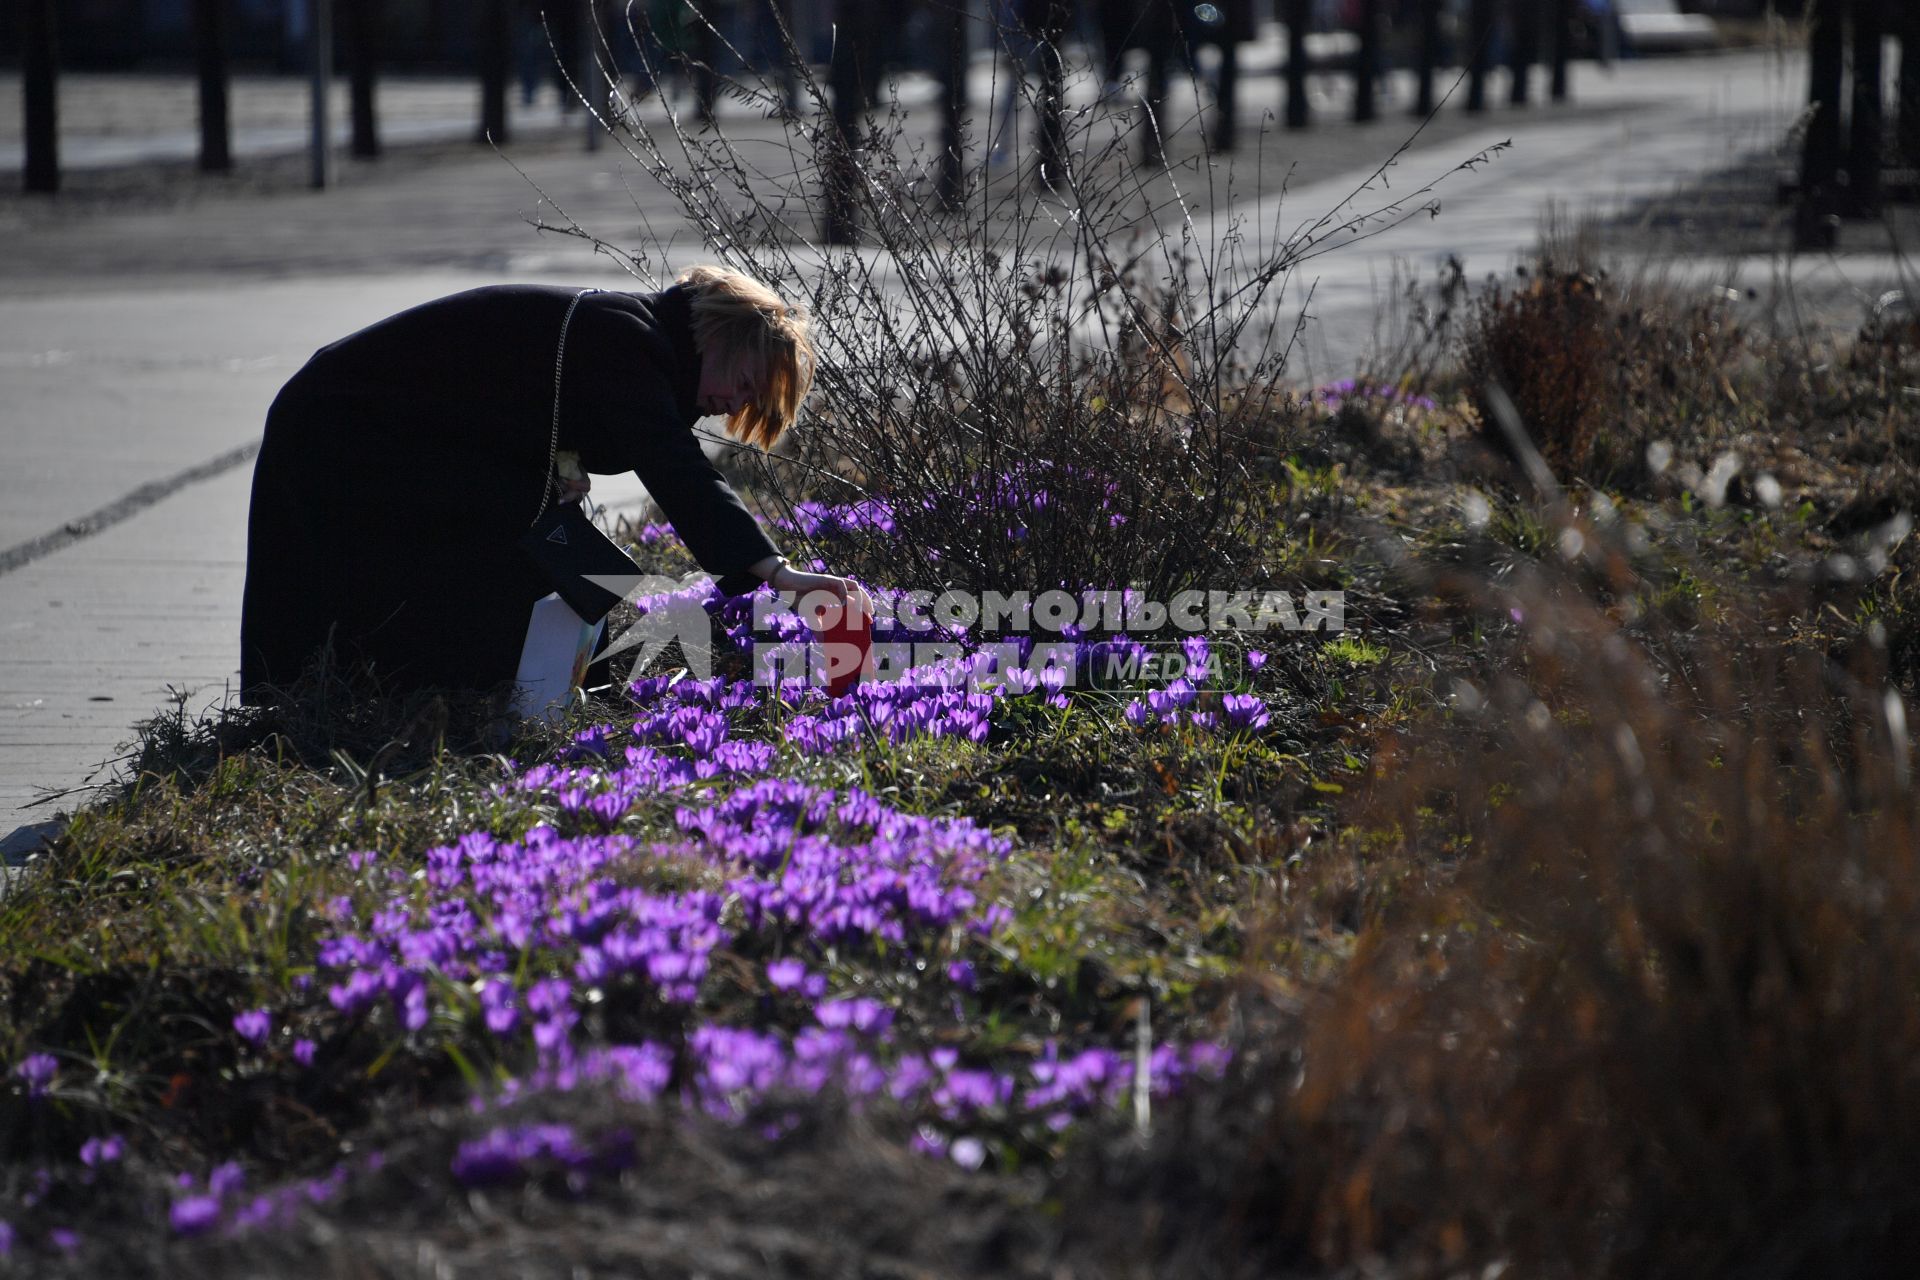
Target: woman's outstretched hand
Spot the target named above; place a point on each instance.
(850, 594)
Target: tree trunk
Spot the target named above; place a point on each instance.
(1909, 128)
(706, 58)
(1298, 13)
(1052, 148)
(953, 105)
(594, 83)
(847, 79)
(1562, 49)
(1820, 157)
(1366, 62)
(1524, 35)
(1226, 133)
(39, 63)
(319, 85)
(1869, 116)
(1479, 53)
(496, 57)
(210, 62)
(1429, 55)
(1162, 27)
(363, 55)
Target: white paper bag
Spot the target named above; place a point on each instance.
(553, 661)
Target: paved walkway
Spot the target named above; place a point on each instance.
(140, 339)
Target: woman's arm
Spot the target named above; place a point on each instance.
(705, 512)
(777, 573)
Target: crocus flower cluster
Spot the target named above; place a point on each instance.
(202, 1208)
(841, 867)
(850, 1050)
(223, 1203)
(488, 901)
(1023, 488)
(511, 1154)
(1176, 703)
(954, 696)
(941, 699)
(522, 936)
(1238, 713)
(827, 520)
(636, 1072)
(894, 712)
(1334, 394)
(96, 1153)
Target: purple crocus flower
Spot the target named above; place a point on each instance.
(503, 1156)
(194, 1215)
(303, 1051)
(1209, 1061)
(254, 1026)
(411, 1000)
(868, 1017)
(496, 998)
(550, 1034)
(258, 1212)
(549, 996)
(358, 993)
(226, 1179)
(1244, 711)
(38, 1071)
(787, 974)
(95, 1152)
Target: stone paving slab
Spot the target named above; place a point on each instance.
(96, 636)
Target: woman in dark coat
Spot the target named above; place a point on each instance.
(401, 464)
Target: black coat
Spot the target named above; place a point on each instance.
(402, 462)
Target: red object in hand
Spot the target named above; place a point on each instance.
(845, 632)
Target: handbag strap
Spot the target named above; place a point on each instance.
(553, 439)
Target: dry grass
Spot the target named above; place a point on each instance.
(1634, 985)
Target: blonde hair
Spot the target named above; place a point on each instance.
(750, 329)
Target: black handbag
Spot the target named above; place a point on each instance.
(570, 552)
(578, 561)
